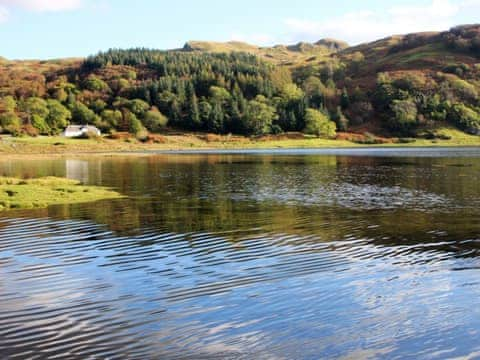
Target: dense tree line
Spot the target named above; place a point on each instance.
(138, 90)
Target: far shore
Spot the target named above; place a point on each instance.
(40, 147)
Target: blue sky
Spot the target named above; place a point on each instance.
(69, 28)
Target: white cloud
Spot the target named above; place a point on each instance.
(364, 26)
(42, 5)
(469, 3)
(3, 14)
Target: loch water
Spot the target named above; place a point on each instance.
(298, 254)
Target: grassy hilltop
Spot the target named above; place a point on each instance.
(403, 86)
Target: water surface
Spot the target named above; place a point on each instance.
(266, 255)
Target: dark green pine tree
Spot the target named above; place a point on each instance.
(292, 121)
(194, 113)
(344, 99)
(176, 113)
(217, 117)
(233, 125)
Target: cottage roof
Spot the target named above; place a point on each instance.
(81, 127)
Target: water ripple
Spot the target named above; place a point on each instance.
(103, 288)
(219, 256)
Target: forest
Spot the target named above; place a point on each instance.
(405, 86)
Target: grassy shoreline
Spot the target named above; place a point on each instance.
(40, 146)
(38, 193)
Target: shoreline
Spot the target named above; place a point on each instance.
(42, 147)
(354, 150)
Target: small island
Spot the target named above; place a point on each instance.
(43, 192)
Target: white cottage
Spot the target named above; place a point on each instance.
(79, 130)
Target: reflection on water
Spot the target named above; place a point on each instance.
(266, 256)
(77, 170)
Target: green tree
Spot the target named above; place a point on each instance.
(259, 117)
(60, 94)
(205, 109)
(317, 123)
(58, 116)
(138, 107)
(176, 112)
(404, 115)
(216, 119)
(465, 118)
(111, 119)
(344, 99)
(81, 114)
(340, 119)
(292, 92)
(10, 121)
(219, 94)
(314, 90)
(194, 113)
(36, 106)
(8, 104)
(93, 83)
(98, 105)
(281, 77)
(134, 125)
(41, 125)
(464, 90)
(154, 120)
(165, 100)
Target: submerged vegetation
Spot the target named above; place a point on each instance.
(42, 192)
(403, 86)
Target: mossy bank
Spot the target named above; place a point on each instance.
(43, 192)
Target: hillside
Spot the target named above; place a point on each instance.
(287, 55)
(404, 85)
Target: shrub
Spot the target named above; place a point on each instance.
(457, 69)
(368, 139)
(432, 135)
(13, 130)
(9, 119)
(444, 137)
(404, 115)
(142, 135)
(464, 90)
(155, 121)
(30, 130)
(92, 135)
(410, 82)
(406, 140)
(276, 130)
(465, 118)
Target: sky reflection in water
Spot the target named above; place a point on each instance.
(276, 256)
